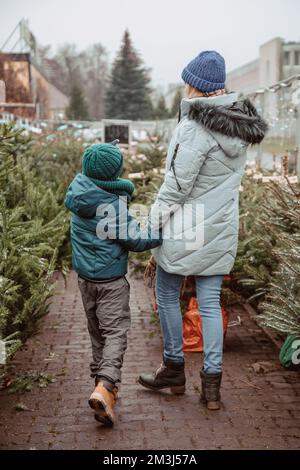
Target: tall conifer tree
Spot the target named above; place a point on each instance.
(128, 95)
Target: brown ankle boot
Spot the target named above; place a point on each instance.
(210, 394)
(102, 401)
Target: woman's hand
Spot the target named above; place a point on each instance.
(150, 273)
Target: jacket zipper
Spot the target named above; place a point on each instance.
(173, 166)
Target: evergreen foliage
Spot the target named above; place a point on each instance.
(33, 226)
(267, 267)
(253, 266)
(128, 95)
(281, 309)
(77, 108)
(161, 111)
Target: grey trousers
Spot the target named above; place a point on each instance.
(108, 319)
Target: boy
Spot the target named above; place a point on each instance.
(102, 233)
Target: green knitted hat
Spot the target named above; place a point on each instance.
(102, 162)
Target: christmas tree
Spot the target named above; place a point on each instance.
(281, 309)
(33, 226)
(128, 95)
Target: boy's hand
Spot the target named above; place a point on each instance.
(150, 273)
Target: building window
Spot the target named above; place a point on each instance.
(297, 57)
(287, 58)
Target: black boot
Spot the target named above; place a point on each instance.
(169, 375)
(210, 394)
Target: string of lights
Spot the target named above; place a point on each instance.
(280, 106)
(289, 82)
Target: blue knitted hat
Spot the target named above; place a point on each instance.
(102, 162)
(206, 72)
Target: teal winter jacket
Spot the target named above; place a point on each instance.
(102, 231)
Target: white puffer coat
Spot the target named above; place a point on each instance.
(204, 168)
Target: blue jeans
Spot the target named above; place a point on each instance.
(208, 293)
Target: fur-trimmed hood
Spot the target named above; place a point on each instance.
(238, 120)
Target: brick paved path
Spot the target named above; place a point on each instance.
(259, 411)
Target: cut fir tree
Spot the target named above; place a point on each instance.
(281, 310)
(33, 226)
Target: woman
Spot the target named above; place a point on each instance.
(204, 168)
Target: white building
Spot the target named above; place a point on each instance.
(277, 61)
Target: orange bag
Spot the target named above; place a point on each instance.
(192, 327)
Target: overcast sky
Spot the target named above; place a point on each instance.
(168, 33)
